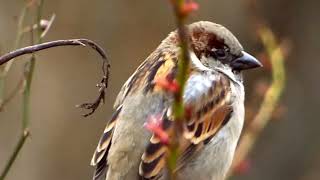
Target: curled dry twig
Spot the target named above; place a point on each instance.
(24, 84)
(70, 42)
(42, 26)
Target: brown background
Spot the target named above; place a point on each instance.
(62, 142)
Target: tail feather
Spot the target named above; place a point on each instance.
(99, 159)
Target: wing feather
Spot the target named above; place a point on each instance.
(99, 159)
(209, 95)
(159, 63)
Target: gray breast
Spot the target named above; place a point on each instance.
(214, 161)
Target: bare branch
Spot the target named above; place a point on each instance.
(70, 42)
(38, 47)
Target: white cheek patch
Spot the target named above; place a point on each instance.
(195, 62)
(227, 72)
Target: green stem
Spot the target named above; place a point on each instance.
(182, 75)
(15, 153)
(26, 93)
(183, 67)
(19, 36)
(1, 92)
(39, 16)
(278, 76)
(29, 71)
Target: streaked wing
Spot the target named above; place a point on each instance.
(208, 95)
(159, 63)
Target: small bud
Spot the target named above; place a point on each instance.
(189, 7)
(44, 24)
(154, 125)
(166, 84)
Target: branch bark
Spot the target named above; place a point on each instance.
(38, 47)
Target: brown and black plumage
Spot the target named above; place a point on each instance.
(214, 90)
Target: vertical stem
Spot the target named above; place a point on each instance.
(29, 70)
(15, 153)
(1, 91)
(39, 16)
(6, 68)
(182, 75)
(183, 68)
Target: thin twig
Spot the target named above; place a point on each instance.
(26, 100)
(45, 27)
(15, 153)
(5, 69)
(13, 93)
(38, 47)
(28, 76)
(18, 39)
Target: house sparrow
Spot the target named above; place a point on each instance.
(214, 90)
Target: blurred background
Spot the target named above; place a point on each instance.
(62, 141)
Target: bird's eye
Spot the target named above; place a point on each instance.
(220, 53)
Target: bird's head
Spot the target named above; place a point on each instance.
(215, 47)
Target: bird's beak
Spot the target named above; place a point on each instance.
(246, 61)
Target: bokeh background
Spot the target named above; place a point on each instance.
(62, 141)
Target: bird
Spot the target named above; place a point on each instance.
(215, 92)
